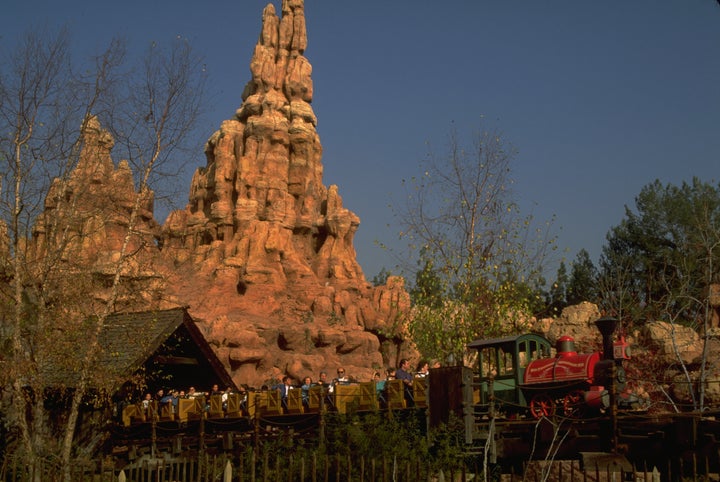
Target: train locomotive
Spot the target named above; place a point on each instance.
(517, 375)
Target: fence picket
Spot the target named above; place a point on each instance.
(241, 464)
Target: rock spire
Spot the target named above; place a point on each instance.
(262, 255)
(267, 249)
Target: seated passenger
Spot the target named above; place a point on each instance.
(379, 385)
(192, 393)
(322, 380)
(243, 392)
(403, 374)
(225, 396)
(327, 387)
(341, 379)
(284, 388)
(307, 384)
(146, 402)
(172, 399)
(423, 369)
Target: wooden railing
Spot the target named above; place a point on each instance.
(343, 399)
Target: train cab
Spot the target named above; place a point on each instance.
(501, 365)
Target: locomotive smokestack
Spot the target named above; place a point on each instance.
(607, 326)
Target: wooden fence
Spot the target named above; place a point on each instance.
(314, 467)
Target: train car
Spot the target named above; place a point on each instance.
(518, 375)
(501, 367)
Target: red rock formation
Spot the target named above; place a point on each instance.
(85, 224)
(264, 250)
(263, 253)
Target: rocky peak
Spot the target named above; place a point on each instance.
(262, 255)
(266, 250)
(86, 219)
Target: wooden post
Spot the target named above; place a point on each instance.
(314, 467)
(256, 422)
(614, 409)
(491, 397)
(265, 466)
(153, 438)
(201, 448)
(253, 462)
(323, 393)
(227, 475)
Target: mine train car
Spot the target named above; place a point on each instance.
(268, 407)
(518, 375)
(514, 375)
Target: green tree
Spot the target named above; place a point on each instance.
(480, 261)
(582, 285)
(663, 253)
(557, 297)
(428, 289)
(662, 260)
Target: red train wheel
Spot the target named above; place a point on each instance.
(542, 405)
(574, 404)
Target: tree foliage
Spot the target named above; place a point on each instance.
(479, 261)
(557, 295)
(582, 284)
(660, 261)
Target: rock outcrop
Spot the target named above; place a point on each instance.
(264, 251)
(85, 225)
(577, 321)
(262, 255)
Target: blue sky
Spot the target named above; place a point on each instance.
(599, 98)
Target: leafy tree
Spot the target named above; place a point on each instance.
(479, 259)
(663, 253)
(54, 298)
(428, 289)
(582, 285)
(662, 260)
(557, 297)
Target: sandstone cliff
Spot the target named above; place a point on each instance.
(264, 251)
(262, 255)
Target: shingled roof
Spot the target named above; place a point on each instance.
(166, 342)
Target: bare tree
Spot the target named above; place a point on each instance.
(56, 144)
(476, 251)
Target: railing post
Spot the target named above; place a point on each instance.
(227, 473)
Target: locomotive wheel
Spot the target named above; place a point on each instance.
(574, 404)
(542, 405)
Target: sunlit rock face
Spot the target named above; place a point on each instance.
(262, 255)
(263, 252)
